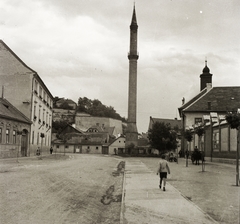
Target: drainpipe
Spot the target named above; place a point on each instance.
(237, 157)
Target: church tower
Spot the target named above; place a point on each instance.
(132, 132)
(205, 77)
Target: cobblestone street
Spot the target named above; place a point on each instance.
(72, 189)
(88, 189)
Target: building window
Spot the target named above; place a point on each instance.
(66, 146)
(88, 147)
(215, 140)
(57, 146)
(96, 147)
(198, 120)
(39, 114)
(0, 135)
(7, 135)
(209, 105)
(14, 137)
(34, 113)
(36, 87)
(37, 138)
(40, 92)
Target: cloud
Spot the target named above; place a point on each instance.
(79, 48)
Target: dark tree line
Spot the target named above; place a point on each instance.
(92, 107)
(96, 108)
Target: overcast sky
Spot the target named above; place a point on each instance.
(79, 48)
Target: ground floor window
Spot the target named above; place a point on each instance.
(216, 140)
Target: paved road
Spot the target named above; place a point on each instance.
(87, 189)
(213, 191)
(144, 202)
(82, 189)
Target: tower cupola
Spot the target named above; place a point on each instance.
(205, 77)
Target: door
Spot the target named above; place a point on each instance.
(24, 142)
(104, 150)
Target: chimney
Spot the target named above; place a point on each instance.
(209, 86)
(183, 100)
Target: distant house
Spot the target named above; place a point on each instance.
(73, 140)
(27, 92)
(14, 131)
(117, 146)
(172, 122)
(68, 102)
(84, 121)
(219, 140)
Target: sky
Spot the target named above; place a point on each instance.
(79, 48)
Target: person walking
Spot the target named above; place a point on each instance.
(51, 150)
(163, 169)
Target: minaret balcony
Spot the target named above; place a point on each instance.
(133, 56)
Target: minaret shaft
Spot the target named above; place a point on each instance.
(131, 132)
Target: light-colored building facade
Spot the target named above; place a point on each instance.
(117, 146)
(26, 91)
(14, 131)
(211, 100)
(85, 121)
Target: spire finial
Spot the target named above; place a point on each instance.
(205, 61)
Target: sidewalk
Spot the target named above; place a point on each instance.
(144, 202)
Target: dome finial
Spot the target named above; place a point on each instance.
(206, 69)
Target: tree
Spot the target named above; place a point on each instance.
(96, 108)
(188, 135)
(199, 130)
(58, 126)
(162, 137)
(66, 106)
(233, 119)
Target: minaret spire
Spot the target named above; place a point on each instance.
(131, 132)
(134, 18)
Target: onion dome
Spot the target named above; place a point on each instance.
(206, 69)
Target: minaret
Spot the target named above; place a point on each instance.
(206, 77)
(131, 132)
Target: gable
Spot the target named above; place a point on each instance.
(11, 64)
(120, 141)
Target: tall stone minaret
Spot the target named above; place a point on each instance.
(131, 132)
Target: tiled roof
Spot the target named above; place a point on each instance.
(172, 122)
(8, 111)
(192, 100)
(218, 99)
